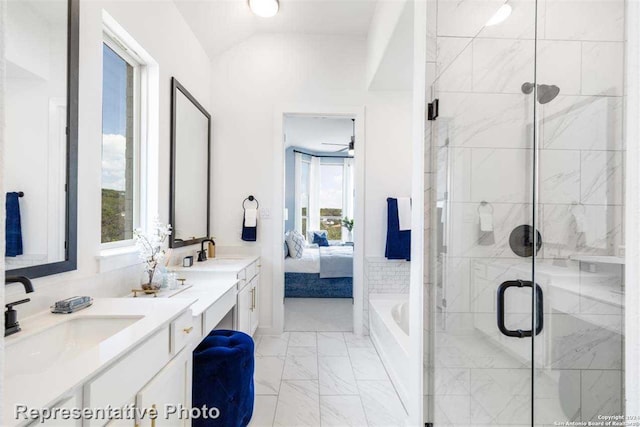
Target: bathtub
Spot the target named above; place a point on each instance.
(389, 331)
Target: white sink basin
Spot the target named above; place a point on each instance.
(38, 352)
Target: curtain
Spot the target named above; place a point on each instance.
(300, 192)
(314, 195)
(348, 193)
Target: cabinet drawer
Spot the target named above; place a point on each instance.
(182, 329)
(214, 314)
(120, 383)
(251, 271)
(242, 275)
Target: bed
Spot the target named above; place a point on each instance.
(325, 272)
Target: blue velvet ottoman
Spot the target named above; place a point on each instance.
(223, 367)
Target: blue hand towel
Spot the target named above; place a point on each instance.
(13, 229)
(398, 242)
(249, 233)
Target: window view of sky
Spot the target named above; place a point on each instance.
(114, 120)
(331, 186)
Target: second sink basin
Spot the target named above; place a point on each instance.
(38, 352)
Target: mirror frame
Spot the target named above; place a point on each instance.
(173, 242)
(71, 216)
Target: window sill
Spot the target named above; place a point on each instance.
(117, 258)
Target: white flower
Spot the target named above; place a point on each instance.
(151, 245)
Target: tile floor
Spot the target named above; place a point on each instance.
(322, 379)
(318, 314)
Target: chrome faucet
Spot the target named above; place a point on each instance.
(11, 325)
(202, 254)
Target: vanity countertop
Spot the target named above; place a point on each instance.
(221, 264)
(205, 290)
(40, 385)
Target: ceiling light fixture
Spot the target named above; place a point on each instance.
(501, 15)
(264, 8)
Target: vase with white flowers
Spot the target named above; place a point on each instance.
(151, 248)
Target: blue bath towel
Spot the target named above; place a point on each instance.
(398, 242)
(13, 229)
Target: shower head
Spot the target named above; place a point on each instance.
(545, 93)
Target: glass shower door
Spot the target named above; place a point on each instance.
(526, 327)
(483, 175)
(578, 360)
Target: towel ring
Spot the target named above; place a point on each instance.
(251, 199)
(484, 204)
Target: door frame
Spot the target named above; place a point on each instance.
(357, 112)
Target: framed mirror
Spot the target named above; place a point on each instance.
(190, 168)
(41, 149)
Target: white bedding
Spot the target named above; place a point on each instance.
(309, 263)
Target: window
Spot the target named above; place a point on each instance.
(120, 143)
(331, 200)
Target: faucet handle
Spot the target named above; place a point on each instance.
(11, 304)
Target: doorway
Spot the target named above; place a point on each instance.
(319, 221)
(318, 284)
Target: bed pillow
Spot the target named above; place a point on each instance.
(295, 243)
(320, 239)
(310, 234)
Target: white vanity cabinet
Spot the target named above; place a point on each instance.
(169, 392)
(148, 375)
(247, 308)
(254, 303)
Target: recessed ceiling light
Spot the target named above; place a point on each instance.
(500, 15)
(264, 8)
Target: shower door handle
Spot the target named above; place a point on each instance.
(520, 333)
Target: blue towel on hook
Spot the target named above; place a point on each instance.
(13, 229)
(398, 242)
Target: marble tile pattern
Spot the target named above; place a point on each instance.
(322, 379)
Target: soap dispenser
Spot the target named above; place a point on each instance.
(212, 248)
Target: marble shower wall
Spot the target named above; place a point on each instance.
(481, 146)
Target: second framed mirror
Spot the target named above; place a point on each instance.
(190, 168)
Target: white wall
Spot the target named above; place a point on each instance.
(266, 71)
(161, 30)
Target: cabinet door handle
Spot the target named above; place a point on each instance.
(188, 330)
(253, 298)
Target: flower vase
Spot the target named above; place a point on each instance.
(151, 280)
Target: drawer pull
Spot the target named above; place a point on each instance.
(154, 416)
(188, 330)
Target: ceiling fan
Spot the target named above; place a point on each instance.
(350, 147)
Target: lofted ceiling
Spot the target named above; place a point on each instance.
(221, 24)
